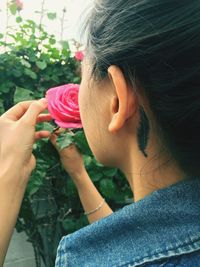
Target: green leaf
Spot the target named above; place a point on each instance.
(18, 19)
(41, 64)
(76, 80)
(81, 142)
(17, 72)
(33, 190)
(52, 41)
(25, 63)
(107, 188)
(70, 188)
(6, 86)
(97, 163)
(69, 225)
(65, 54)
(109, 172)
(51, 15)
(13, 9)
(34, 184)
(1, 35)
(65, 45)
(55, 53)
(31, 74)
(32, 56)
(64, 140)
(22, 94)
(47, 126)
(95, 175)
(87, 160)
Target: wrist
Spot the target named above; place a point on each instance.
(12, 190)
(10, 173)
(80, 178)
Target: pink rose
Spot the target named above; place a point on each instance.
(79, 55)
(63, 105)
(19, 5)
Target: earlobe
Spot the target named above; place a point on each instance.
(114, 109)
(112, 125)
(123, 104)
(116, 123)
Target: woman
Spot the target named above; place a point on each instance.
(141, 70)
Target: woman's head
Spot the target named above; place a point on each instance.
(152, 49)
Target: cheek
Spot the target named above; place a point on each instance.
(84, 104)
(90, 116)
(94, 117)
(89, 101)
(86, 110)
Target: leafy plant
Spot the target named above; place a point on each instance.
(32, 62)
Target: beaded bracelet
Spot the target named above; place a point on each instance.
(98, 208)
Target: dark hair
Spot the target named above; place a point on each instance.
(156, 43)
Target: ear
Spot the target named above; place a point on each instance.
(123, 103)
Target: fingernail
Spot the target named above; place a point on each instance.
(44, 101)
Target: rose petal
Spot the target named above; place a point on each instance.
(67, 125)
(63, 105)
(79, 55)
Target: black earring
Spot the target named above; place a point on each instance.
(143, 131)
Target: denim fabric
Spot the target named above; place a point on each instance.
(163, 229)
(185, 260)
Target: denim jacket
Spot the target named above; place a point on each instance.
(162, 229)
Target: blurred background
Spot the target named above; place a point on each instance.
(68, 26)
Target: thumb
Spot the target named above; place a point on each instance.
(53, 139)
(31, 115)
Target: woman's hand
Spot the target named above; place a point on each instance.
(17, 136)
(71, 158)
(73, 163)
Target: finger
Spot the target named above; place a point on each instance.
(42, 134)
(44, 117)
(34, 110)
(53, 139)
(16, 112)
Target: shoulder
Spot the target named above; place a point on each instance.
(141, 233)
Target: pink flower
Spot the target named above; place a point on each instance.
(19, 5)
(79, 55)
(63, 105)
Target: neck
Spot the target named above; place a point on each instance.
(146, 175)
